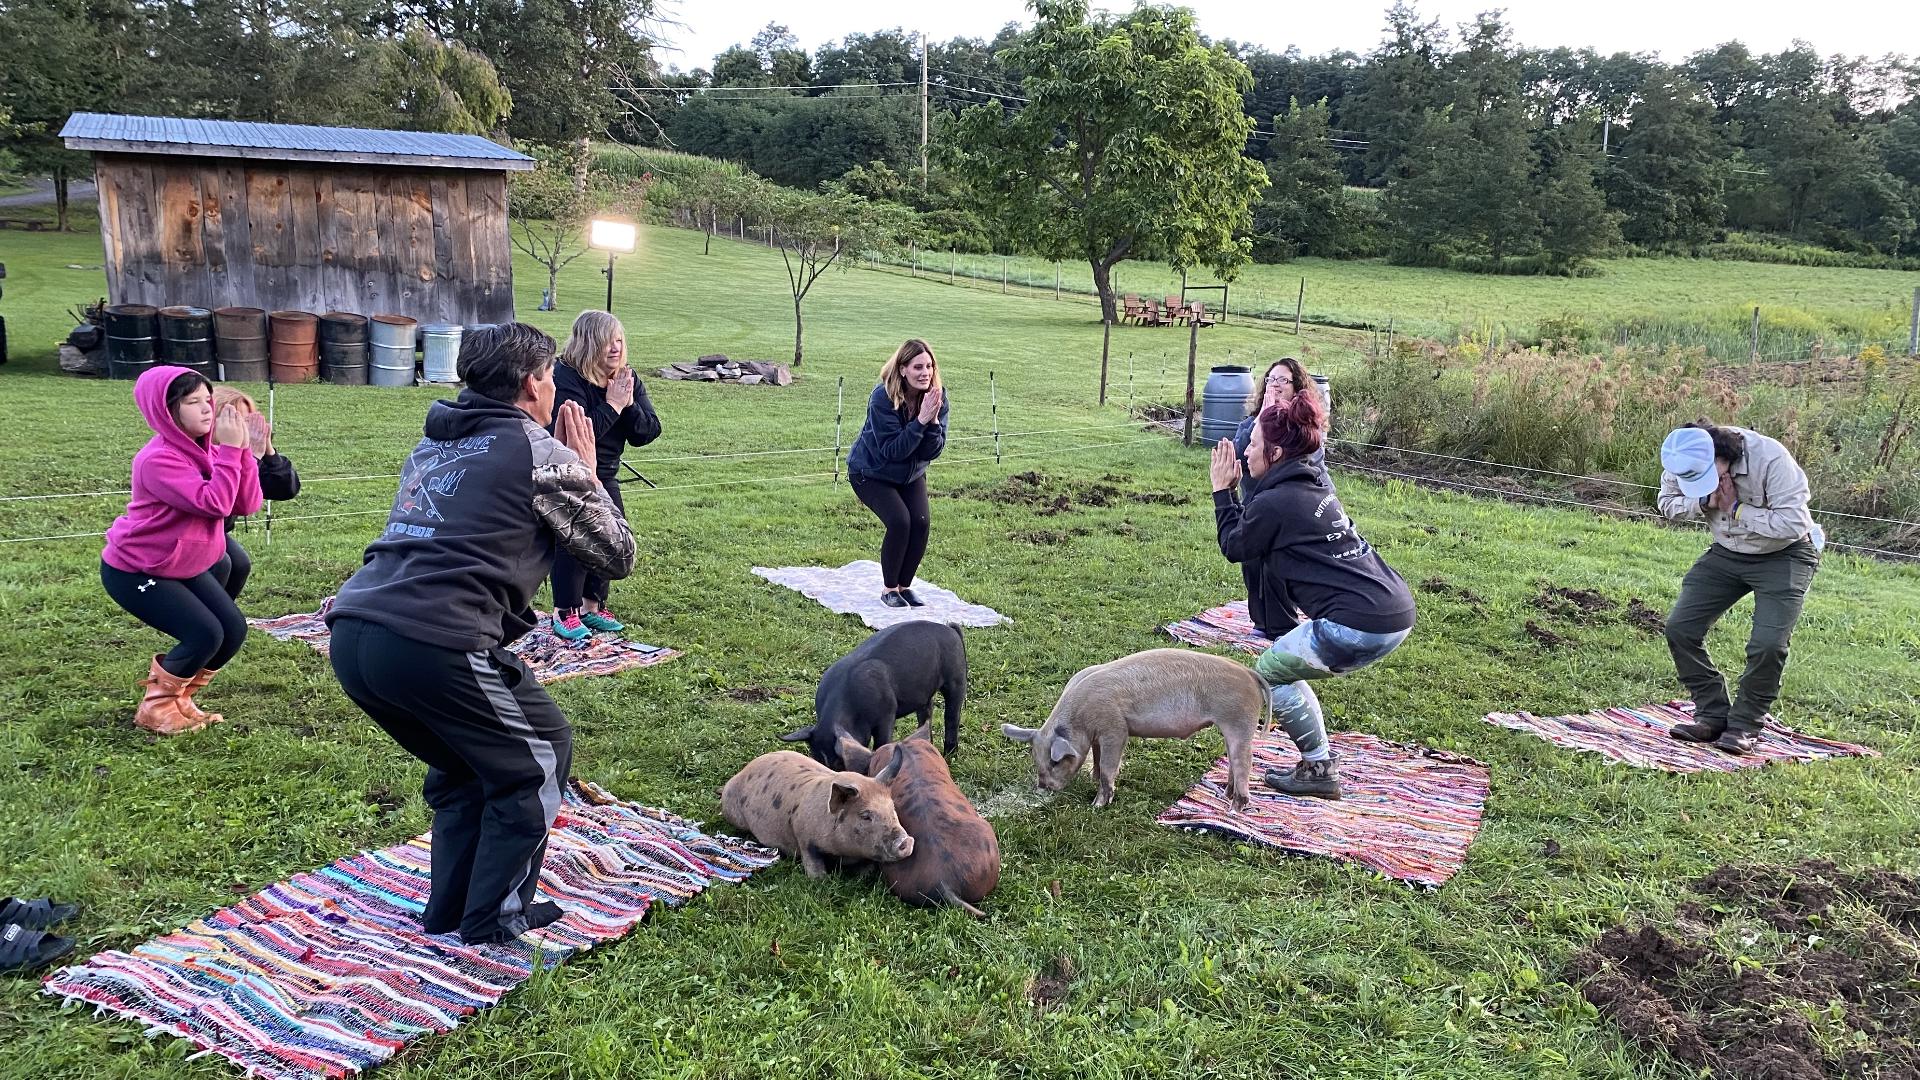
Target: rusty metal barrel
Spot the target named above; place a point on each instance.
(343, 348)
(186, 338)
(240, 343)
(131, 330)
(293, 347)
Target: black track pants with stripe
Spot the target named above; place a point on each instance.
(497, 751)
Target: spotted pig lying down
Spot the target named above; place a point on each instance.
(791, 802)
(956, 856)
(1156, 694)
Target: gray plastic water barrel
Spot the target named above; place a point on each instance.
(440, 352)
(392, 350)
(1223, 402)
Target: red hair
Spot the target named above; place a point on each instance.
(1298, 428)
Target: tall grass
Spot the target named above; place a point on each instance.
(1849, 422)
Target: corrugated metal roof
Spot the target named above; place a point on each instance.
(292, 142)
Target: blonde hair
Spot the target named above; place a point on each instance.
(893, 373)
(588, 345)
(224, 396)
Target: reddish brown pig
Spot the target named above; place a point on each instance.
(792, 802)
(956, 856)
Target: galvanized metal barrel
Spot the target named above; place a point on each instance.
(240, 343)
(440, 352)
(294, 353)
(131, 331)
(1223, 402)
(1325, 386)
(392, 337)
(186, 338)
(343, 348)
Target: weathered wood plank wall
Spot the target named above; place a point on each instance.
(214, 232)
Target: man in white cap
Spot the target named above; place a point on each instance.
(1753, 496)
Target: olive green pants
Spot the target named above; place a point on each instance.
(1718, 580)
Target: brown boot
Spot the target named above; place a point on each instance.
(189, 709)
(159, 710)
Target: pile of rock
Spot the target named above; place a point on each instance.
(717, 368)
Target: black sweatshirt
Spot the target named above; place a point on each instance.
(1302, 546)
(483, 499)
(278, 482)
(613, 432)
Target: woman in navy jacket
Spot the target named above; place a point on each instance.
(906, 428)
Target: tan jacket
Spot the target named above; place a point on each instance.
(1771, 512)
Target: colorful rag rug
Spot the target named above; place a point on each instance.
(1227, 625)
(1639, 737)
(1405, 811)
(854, 589)
(550, 657)
(328, 973)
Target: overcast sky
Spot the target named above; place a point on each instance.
(1672, 28)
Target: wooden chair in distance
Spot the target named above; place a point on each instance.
(1176, 311)
(1198, 313)
(1132, 308)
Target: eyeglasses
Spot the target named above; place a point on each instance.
(1280, 380)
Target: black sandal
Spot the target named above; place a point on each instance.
(23, 950)
(34, 914)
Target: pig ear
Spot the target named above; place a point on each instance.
(1018, 733)
(893, 768)
(924, 732)
(854, 756)
(1062, 749)
(843, 793)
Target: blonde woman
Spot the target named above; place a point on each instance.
(593, 372)
(906, 428)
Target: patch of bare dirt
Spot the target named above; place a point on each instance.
(1049, 986)
(755, 695)
(1546, 638)
(1646, 618)
(1837, 996)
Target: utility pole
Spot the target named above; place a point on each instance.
(1606, 134)
(923, 110)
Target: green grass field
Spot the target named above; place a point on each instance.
(1162, 954)
(1650, 302)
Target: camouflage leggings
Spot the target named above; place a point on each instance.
(1316, 649)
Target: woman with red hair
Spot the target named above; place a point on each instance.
(1299, 546)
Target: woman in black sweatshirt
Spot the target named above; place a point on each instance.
(593, 371)
(278, 481)
(1299, 546)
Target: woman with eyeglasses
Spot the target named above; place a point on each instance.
(1275, 612)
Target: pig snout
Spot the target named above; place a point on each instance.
(895, 847)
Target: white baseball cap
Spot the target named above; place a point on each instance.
(1688, 455)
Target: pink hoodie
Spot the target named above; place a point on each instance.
(183, 492)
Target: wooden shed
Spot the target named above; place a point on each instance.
(218, 213)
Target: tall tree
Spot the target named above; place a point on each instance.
(1401, 83)
(1129, 144)
(58, 57)
(1575, 223)
(1667, 175)
(1300, 212)
(426, 84)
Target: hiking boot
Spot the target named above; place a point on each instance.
(1737, 741)
(159, 710)
(570, 628)
(603, 621)
(1313, 779)
(189, 709)
(1697, 730)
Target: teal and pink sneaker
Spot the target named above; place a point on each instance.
(570, 628)
(602, 621)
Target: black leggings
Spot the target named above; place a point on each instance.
(242, 567)
(572, 584)
(498, 752)
(902, 508)
(195, 610)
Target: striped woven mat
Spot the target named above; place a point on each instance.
(328, 973)
(1227, 625)
(1639, 737)
(1406, 811)
(550, 658)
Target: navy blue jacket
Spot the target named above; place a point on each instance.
(894, 445)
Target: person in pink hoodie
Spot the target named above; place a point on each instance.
(166, 558)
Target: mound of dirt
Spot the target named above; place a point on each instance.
(1048, 495)
(1797, 972)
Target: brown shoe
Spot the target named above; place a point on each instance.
(189, 709)
(1697, 731)
(159, 710)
